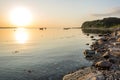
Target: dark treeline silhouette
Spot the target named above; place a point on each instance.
(104, 23)
(8, 27)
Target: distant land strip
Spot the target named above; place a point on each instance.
(18, 27)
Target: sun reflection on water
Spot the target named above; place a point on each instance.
(21, 35)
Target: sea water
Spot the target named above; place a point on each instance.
(33, 54)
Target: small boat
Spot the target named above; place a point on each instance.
(41, 28)
(66, 28)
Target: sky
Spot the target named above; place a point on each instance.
(60, 13)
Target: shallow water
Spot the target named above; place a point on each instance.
(33, 54)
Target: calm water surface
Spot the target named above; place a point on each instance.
(33, 54)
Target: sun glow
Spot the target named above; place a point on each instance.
(20, 16)
(21, 35)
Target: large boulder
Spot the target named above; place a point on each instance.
(89, 53)
(97, 75)
(103, 65)
(78, 74)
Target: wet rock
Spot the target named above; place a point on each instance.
(108, 34)
(87, 43)
(116, 43)
(114, 67)
(105, 35)
(103, 65)
(94, 39)
(89, 53)
(116, 54)
(94, 45)
(91, 36)
(113, 49)
(98, 77)
(87, 34)
(101, 50)
(16, 52)
(112, 39)
(118, 39)
(112, 75)
(100, 41)
(104, 39)
(29, 71)
(100, 35)
(112, 60)
(106, 55)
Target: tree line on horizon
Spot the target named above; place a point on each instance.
(109, 22)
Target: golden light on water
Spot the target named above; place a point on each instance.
(20, 16)
(21, 35)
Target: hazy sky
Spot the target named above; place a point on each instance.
(61, 13)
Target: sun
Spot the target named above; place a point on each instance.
(20, 16)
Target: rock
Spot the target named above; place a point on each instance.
(104, 39)
(114, 67)
(114, 49)
(116, 54)
(87, 34)
(93, 76)
(105, 35)
(108, 34)
(118, 39)
(94, 39)
(78, 74)
(87, 43)
(29, 71)
(94, 45)
(116, 43)
(101, 50)
(103, 65)
(100, 42)
(100, 35)
(112, 60)
(98, 77)
(106, 55)
(91, 36)
(89, 53)
(16, 51)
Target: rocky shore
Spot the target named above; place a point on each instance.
(105, 54)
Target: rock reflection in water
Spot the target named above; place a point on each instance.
(97, 31)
